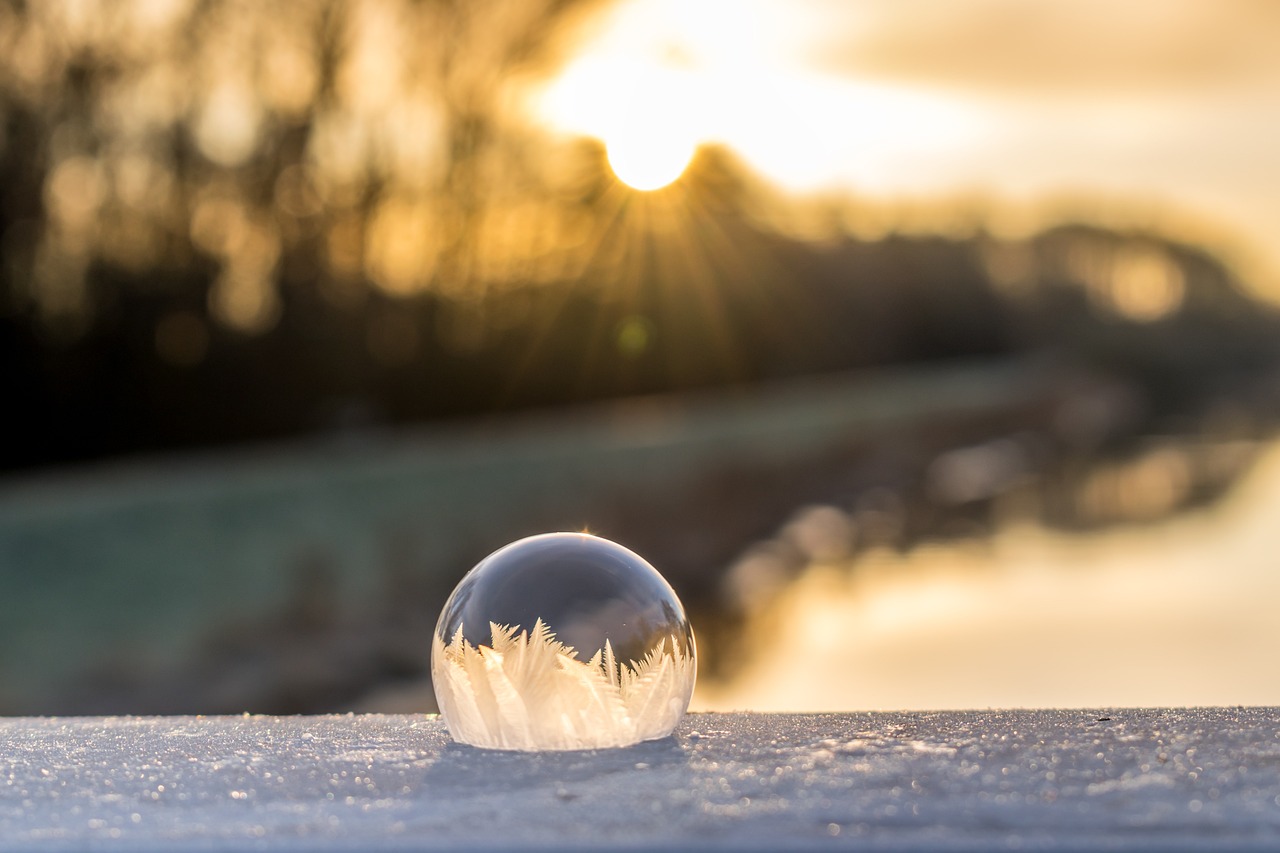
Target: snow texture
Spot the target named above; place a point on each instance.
(1052, 780)
(529, 692)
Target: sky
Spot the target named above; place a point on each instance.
(1157, 113)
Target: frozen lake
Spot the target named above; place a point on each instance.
(1047, 780)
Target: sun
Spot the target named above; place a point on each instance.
(646, 114)
(649, 158)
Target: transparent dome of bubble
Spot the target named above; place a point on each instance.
(562, 641)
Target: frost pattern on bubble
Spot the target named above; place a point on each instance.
(562, 641)
(528, 691)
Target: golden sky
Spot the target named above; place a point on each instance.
(1165, 110)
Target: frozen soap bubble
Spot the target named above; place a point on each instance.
(562, 641)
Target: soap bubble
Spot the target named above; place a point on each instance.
(562, 641)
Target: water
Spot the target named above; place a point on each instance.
(1176, 612)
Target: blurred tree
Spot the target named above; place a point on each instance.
(380, 132)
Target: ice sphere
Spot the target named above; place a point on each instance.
(562, 641)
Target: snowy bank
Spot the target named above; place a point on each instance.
(1057, 780)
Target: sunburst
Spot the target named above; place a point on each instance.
(683, 264)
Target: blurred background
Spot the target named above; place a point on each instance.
(931, 350)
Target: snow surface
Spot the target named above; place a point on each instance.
(1089, 780)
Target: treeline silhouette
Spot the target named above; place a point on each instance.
(707, 298)
(199, 247)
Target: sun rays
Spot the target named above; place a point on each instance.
(661, 293)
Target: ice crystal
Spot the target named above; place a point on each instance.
(528, 691)
(505, 656)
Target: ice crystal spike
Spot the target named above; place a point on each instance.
(562, 641)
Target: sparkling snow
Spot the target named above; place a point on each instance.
(1092, 780)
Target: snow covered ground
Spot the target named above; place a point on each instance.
(1057, 780)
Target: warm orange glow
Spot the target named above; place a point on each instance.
(1166, 614)
(914, 109)
(663, 77)
(644, 112)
